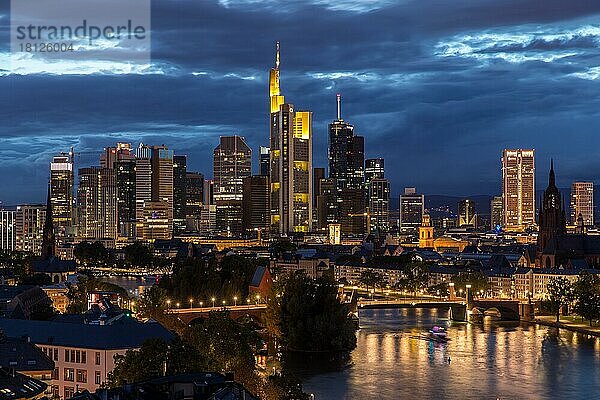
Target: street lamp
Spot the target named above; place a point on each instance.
(191, 302)
(177, 305)
(235, 301)
(213, 302)
(201, 304)
(168, 303)
(257, 298)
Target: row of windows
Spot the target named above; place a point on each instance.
(71, 356)
(78, 375)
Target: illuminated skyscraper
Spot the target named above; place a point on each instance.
(582, 202)
(265, 161)
(518, 188)
(194, 191)
(412, 208)
(497, 211)
(97, 203)
(30, 227)
(232, 163)
(61, 192)
(291, 162)
(466, 213)
(179, 193)
(8, 230)
(347, 167)
(256, 203)
(154, 191)
(379, 204)
(378, 194)
(122, 160)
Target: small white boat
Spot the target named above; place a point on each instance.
(438, 334)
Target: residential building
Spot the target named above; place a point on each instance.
(97, 204)
(8, 230)
(30, 220)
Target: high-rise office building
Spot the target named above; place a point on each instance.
(374, 169)
(179, 193)
(30, 219)
(318, 174)
(61, 192)
(265, 161)
(194, 191)
(208, 193)
(412, 207)
(327, 207)
(122, 160)
(347, 167)
(257, 203)
(232, 162)
(379, 204)
(582, 202)
(518, 188)
(497, 212)
(153, 185)
(378, 194)
(291, 162)
(8, 230)
(466, 213)
(97, 203)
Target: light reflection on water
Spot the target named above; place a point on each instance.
(494, 360)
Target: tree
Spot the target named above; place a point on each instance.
(311, 317)
(561, 293)
(587, 296)
(87, 253)
(138, 255)
(414, 278)
(441, 290)
(370, 278)
(476, 279)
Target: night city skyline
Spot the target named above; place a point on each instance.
(439, 98)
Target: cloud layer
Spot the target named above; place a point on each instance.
(438, 88)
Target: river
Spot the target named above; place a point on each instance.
(490, 361)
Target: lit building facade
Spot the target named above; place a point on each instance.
(518, 188)
(412, 208)
(582, 202)
(466, 213)
(347, 167)
(30, 220)
(291, 162)
(154, 184)
(8, 230)
(265, 161)
(179, 193)
(122, 160)
(256, 204)
(61, 192)
(97, 203)
(379, 204)
(194, 191)
(497, 212)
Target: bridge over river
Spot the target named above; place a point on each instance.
(189, 315)
(473, 310)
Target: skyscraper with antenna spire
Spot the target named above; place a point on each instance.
(291, 161)
(346, 167)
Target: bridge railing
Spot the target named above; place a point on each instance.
(217, 308)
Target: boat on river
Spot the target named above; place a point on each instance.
(438, 334)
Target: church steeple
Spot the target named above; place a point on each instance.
(551, 178)
(48, 239)
(552, 213)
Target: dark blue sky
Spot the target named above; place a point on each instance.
(437, 87)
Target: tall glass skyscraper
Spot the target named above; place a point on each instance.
(291, 162)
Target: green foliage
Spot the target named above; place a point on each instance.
(415, 277)
(138, 255)
(93, 254)
(201, 279)
(371, 278)
(477, 280)
(441, 290)
(16, 262)
(282, 246)
(37, 279)
(587, 296)
(561, 293)
(310, 316)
